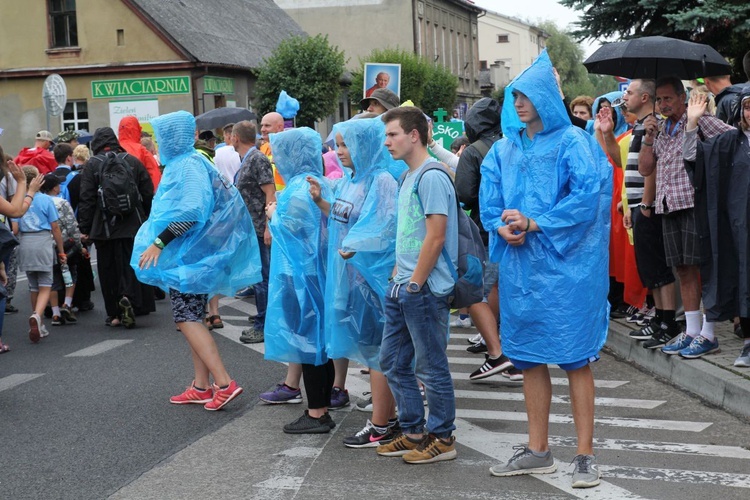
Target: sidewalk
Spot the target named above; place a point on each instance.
(712, 378)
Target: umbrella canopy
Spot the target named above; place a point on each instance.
(217, 118)
(657, 57)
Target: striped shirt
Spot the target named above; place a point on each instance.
(634, 181)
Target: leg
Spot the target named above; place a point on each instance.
(690, 287)
(204, 348)
(342, 366)
(494, 301)
(42, 299)
(486, 323)
(537, 394)
(582, 402)
(318, 385)
(293, 375)
(383, 404)
(202, 380)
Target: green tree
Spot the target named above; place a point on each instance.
(722, 24)
(309, 69)
(427, 85)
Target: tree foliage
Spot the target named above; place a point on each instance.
(427, 85)
(309, 69)
(722, 24)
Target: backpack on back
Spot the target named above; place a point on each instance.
(472, 255)
(117, 193)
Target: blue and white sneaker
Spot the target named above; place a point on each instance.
(677, 344)
(700, 346)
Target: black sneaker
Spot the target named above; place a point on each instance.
(309, 425)
(644, 333)
(662, 336)
(369, 437)
(491, 367)
(10, 309)
(127, 315)
(477, 348)
(67, 314)
(619, 312)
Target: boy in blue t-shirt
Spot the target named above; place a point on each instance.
(36, 255)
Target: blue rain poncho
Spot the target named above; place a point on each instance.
(553, 288)
(621, 126)
(296, 287)
(219, 253)
(362, 220)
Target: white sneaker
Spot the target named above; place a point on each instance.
(476, 338)
(744, 359)
(645, 315)
(43, 331)
(462, 323)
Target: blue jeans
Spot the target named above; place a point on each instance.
(261, 289)
(416, 329)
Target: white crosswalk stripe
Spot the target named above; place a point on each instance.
(17, 379)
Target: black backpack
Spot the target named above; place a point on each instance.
(117, 193)
(472, 255)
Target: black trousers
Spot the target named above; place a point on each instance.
(318, 384)
(117, 278)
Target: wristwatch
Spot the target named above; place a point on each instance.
(413, 287)
(159, 244)
(643, 206)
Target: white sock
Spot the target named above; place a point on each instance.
(68, 301)
(55, 311)
(693, 320)
(708, 329)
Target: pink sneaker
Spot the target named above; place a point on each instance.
(193, 395)
(223, 396)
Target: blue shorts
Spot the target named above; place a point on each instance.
(568, 367)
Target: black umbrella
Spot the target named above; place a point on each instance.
(656, 57)
(219, 117)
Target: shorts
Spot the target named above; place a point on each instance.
(648, 243)
(568, 367)
(58, 284)
(188, 307)
(39, 278)
(681, 241)
(491, 275)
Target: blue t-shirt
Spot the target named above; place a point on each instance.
(438, 197)
(39, 216)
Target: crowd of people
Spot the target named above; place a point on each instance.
(351, 249)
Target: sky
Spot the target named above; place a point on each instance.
(537, 10)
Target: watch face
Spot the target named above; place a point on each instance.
(413, 287)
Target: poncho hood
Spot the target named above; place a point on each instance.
(537, 82)
(745, 94)
(297, 152)
(104, 140)
(365, 140)
(621, 126)
(483, 119)
(175, 133)
(130, 129)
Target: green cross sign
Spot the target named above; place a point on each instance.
(444, 132)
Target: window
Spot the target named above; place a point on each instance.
(62, 20)
(76, 116)
(483, 65)
(503, 39)
(120, 38)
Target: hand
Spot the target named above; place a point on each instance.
(619, 206)
(429, 132)
(62, 258)
(604, 117)
(3, 276)
(512, 238)
(16, 171)
(696, 108)
(84, 238)
(646, 213)
(460, 150)
(85, 253)
(627, 221)
(346, 255)
(36, 184)
(515, 220)
(314, 188)
(267, 237)
(149, 257)
(651, 125)
(270, 209)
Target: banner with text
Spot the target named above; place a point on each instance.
(144, 111)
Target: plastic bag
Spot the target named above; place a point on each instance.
(287, 106)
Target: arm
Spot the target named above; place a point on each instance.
(57, 235)
(270, 191)
(151, 255)
(646, 158)
(607, 130)
(21, 199)
(322, 204)
(443, 155)
(696, 109)
(468, 178)
(432, 246)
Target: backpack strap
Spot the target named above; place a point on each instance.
(415, 189)
(482, 147)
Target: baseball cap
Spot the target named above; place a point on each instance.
(387, 98)
(67, 135)
(44, 135)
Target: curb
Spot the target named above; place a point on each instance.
(720, 387)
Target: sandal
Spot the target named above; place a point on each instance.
(112, 321)
(207, 323)
(4, 348)
(215, 321)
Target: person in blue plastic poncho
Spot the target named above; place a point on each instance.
(296, 285)
(606, 100)
(361, 256)
(198, 239)
(544, 199)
